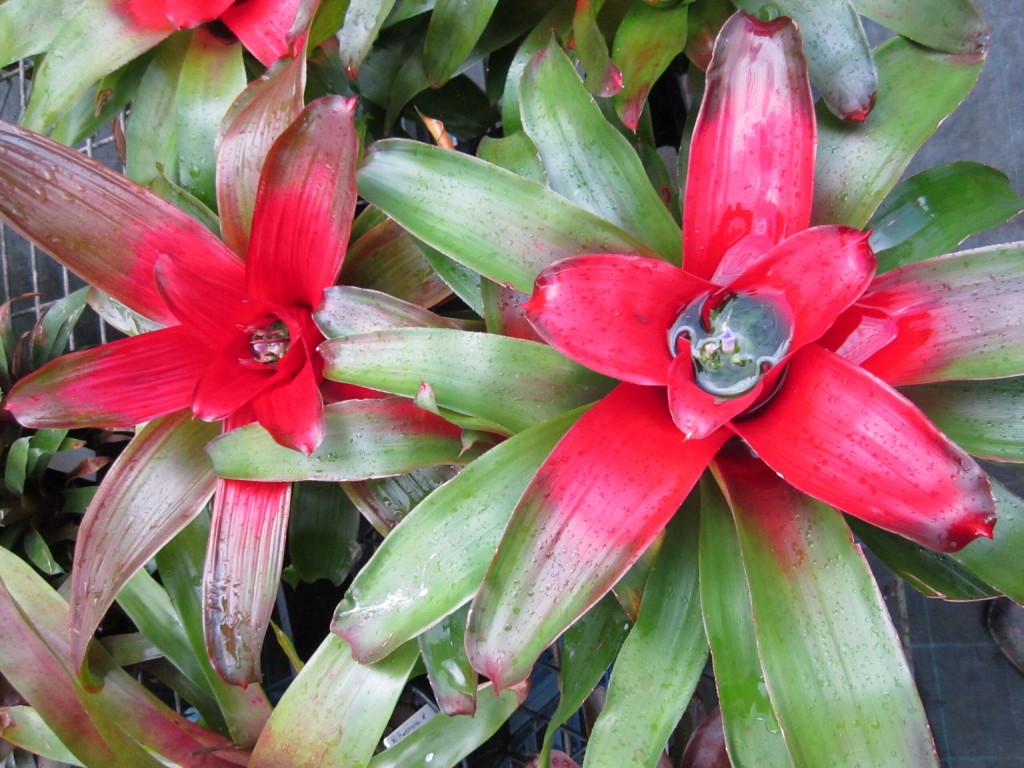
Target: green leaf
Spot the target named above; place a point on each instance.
(455, 26)
(150, 609)
(647, 41)
(284, 642)
(367, 219)
(8, 345)
(117, 315)
(353, 704)
(463, 282)
(347, 310)
(587, 160)
(497, 223)
(452, 678)
(997, 560)
(49, 441)
(407, 9)
(751, 729)
(399, 593)
(28, 27)
(588, 649)
(76, 500)
(322, 532)
(629, 590)
(934, 574)
(447, 740)
(514, 153)
(26, 729)
(39, 554)
(101, 104)
(363, 22)
(557, 21)
(185, 201)
(510, 382)
(150, 138)
(834, 667)
(364, 439)
(838, 57)
(328, 20)
(388, 259)
(661, 659)
(94, 40)
(508, 22)
(212, 76)
(931, 213)
(954, 26)
(385, 501)
(42, 445)
(857, 165)
(16, 466)
(974, 414)
(51, 333)
(603, 77)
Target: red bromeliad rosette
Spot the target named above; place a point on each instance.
(261, 25)
(730, 348)
(238, 345)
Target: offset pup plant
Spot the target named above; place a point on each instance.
(582, 406)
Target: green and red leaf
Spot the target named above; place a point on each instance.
(827, 662)
(119, 384)
(876, 456)
(251, 126)
(957, 317)
(752, 154)
(646, 42)
(100, 225)
(838, 56)
(613, 313)
(304, 206)
(398, 594)
(598, 502)
(353, 704)
(158, 484)
(243, 569)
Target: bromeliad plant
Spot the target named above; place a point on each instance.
(239, 347)
(650, 452)
(773, 352)
(736, 346)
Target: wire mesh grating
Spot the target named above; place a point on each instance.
(27, 271)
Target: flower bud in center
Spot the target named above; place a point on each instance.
(269, 342)
(734, 338)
